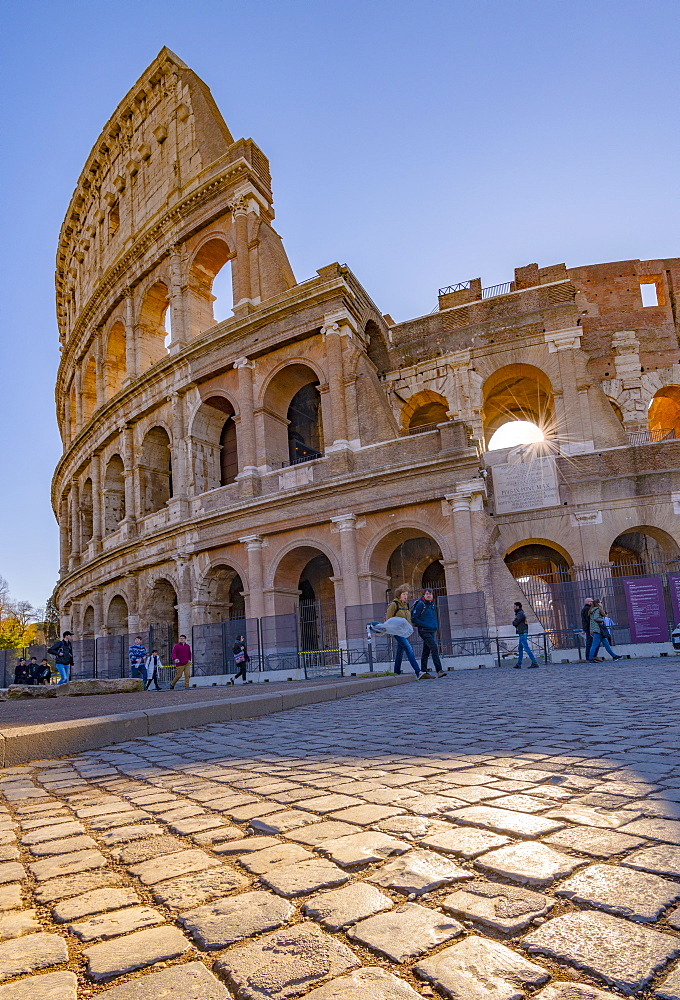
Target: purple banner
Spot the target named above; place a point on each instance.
(674, 587)
(646, 610)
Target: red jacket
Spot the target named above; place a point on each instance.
(181, 652)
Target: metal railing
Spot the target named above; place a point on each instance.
(493, 290)
(458, 287)
(652, 436)
(422, 429)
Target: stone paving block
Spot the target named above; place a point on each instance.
(624, 954)
(260, 862)
(430, 805)
(476, 793)
(232, 918)
(245, 845)
(67, 864)
(405, 932)
(418, 872)
(192, 890)
(479, 969)
(52, 832)
(669, 989)
(96, 901)
(283, 822)
(521, 803)
(285, 964)
(137, 851)
(304, 877)
(467, 842)
(11, 871)
(316, 834)
(365, 815)
(571, 991)
(182, 812)
(74, 885)
(219, 834)
(362, 848)
(104, 809)
(329, 803)
(181, 982)
(623, 891)
(52, 848)
(16, 923)
(665, 860)
(134, 951)
(53, 986)
(119, 819)
(9, 853)
(505, 908)
(368, 983)
(667, 830)
(125, 834)
(108, 925)
(194, 824)
(590, 816)
(172, 865)
(521, 824)
(340, 907)
(596, 843)
(533, 863)
(403, 826)
(257, 810)
(30, 953)
(673, 919)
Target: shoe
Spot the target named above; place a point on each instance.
(517, 666)
(533, 666)
(617, 657)
(424, 675)
(441, 673)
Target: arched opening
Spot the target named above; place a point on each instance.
(303, 586)
(115, 368)
(73, 416)
(117, 616)
(423, 411)
(88, 623)
(664, 414)
(215, 452)
(114, 494)
(89, 391)
(152, 326)
(643, 550)
(210, 291)
(416, 562)
(543, 573)
(617, 409)
(156, 470)
(86, 530)
(162, 606)
(376, 348)
(222, 593)
(521, 395)
(292, 414)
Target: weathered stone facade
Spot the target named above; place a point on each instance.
(225, 468)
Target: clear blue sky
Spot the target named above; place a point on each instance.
(421, 142)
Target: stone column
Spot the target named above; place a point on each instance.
(247, 457)
(97, 503)
(333, 334)
(130, 339)
(64, 548)
(241, 266)
(253, 544)
(346, 526)
(98, 608)
(132, 590)
(177, 319)
(131, 474)
(100, 367)
(184, 597)
(79, 400)
(74, 556)
(468, 497)
(179, 449)
(574, 434)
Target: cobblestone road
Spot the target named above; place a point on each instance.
(494, 836)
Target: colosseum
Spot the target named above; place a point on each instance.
(280, 469)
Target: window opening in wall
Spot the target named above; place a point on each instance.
(515, 432)
(114, 219)
(223, 295)
(167, 326)
(649, 293)
(304, 428)
(228, 453)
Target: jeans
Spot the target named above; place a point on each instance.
(597, 641)
(522, 647)
(241, 672)
(138, 670)
(589, 643)
(429, 646)
(64, 672)
(404, 646)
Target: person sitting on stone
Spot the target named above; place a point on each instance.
(43, 672)
(21, 672)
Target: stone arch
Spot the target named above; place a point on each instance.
(156, 470)
(663, 416)
(303, 583)
(161, 604)
(214, 443)
(293, 414)
(115, 365)
(642, 549)
(117, 615)
(221, 594)
(542, 569)
(616, 408)
(406, 554)
(86, 512)
(517, 392)
(89, 390)
(114, 494)
(425, 409)
(152, 327)
(208, 261)
(376, 348)
(88, 623)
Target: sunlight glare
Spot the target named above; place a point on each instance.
(513, 433)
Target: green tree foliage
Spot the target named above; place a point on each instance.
(18, 620)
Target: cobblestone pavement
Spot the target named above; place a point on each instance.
(494, 836)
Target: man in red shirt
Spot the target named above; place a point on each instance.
(181, 654)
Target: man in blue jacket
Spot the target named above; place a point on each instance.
(424, 617)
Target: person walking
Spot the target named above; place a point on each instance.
(399, 608)
(21, 672)
(43, 672)
(181, 655)
(241, 658)
(599, 632)
(137, 658)
(424, 617)
(522, 630)
(585, 624)
(152, 665)
(62, 651)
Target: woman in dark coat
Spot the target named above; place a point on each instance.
(241, 658)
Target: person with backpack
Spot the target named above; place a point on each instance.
(137, 657)
(241, 658)
(522, 630)
(399, 608)
(599, 632)
(424, 617)
(152, 665)
(62, 651)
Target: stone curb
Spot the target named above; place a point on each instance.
(59, 739)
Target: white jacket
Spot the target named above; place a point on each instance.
(152, 663)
